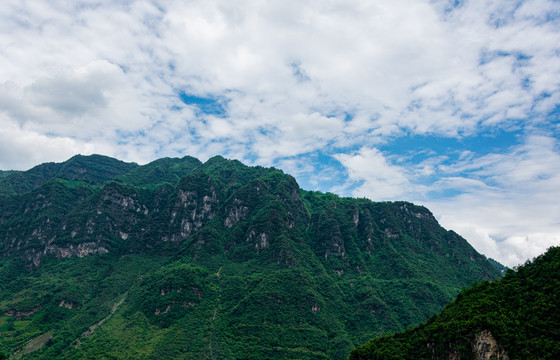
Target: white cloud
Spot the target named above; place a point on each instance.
(515, 199)
(372, 60)
(504, 204)
(94, 99)
(295, 78)
(380, 179)
(28, 147)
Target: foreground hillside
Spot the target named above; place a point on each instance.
(517, 317)
(179, 259)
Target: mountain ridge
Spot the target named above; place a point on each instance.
(218, 260)
(96, 168)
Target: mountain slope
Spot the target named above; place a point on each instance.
(230, 261)
(6, 173)
(516, 317)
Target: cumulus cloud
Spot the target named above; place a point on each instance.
(422, 66)
(511, 213)
(505, 204)
(380, 180)
(19, 146)
(300, 81)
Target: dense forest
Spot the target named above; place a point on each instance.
(516, 317)
(180, 259)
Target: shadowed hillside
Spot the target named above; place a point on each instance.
(517, 317)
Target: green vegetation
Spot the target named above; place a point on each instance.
(161, 171)
(93, 168)
(178, 259)
(501, 268)
(6, 173)
(521, 311)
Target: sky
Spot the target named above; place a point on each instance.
(450, 104)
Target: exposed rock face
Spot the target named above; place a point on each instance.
(21, 314)
(485, 347)
(236, 213)
(193, 208)
(67, 304)
(79, 250)
(238, 256)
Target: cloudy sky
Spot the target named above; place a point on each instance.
(447, 103)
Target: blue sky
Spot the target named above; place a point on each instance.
(451, 104)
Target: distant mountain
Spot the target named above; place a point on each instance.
(501, 268)
(182, 259)
(517, 317)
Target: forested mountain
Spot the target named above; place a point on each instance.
(93, 168)
(516, 317)
(179, 259)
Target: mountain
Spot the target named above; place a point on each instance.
(179, 259)
(93, 168)
(516, 317)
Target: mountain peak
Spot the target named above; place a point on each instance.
(215, 259)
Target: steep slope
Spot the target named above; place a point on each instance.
(230, 261)
(516, 317)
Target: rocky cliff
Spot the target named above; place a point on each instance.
(214, 260)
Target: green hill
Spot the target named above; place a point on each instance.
(517, 317)
(179, 259)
